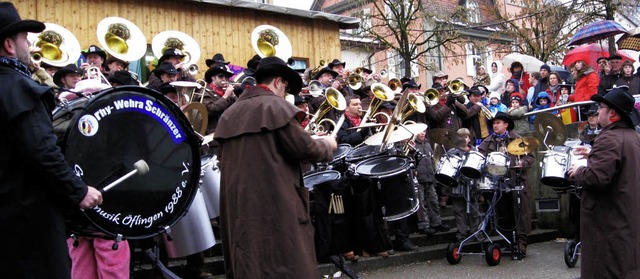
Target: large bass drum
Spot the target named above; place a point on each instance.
(107, 135)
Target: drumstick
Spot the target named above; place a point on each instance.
(140, 166)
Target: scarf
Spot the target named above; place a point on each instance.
(15, 64)
(355, 120)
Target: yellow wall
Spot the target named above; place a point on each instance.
(216, 28)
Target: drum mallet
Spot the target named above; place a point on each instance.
(141, 168)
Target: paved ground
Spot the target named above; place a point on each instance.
(544, 260)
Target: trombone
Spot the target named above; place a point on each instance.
(381, 93)
(431, 97)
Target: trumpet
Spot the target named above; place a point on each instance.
(395, 85)
(456, 87)
(381, 93)
(314, 89)
(316, 69)
(431, 97)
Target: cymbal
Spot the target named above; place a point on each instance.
(398, 134)
(367, 125)
(445, 137)
(548, 122)
(523, 146)
(416, 128)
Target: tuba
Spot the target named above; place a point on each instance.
(121, 39)
(268, 40)
(414, 104)
(333, 100)
(431, 97)
(55, 45)
(179, 40)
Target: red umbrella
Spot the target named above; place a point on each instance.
(590, 54)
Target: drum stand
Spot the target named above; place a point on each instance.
(153, 252)
(493, 252)
(572, 248)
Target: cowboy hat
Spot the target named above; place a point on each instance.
(621, 100)
(274, 66)
(12, 23)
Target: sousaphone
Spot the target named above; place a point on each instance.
(121, 38)
(176, 39)
(58, 46)
(268, 40)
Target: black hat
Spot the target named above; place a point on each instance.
(566, 85)
(366, 70)
(252, 65)
(593, 110)
(298, 100)
(504, 117)
(170, 52)
(620, 100)
(389, 105)
(615, 56)
(601, 58)
(325, 70)
(167, 88)
(12, 23)
(486, 90)
(112, 59)
(474, 90)
(545, 67)
(217, 58)
(69, 69)
(216, 68)
(94, 49)
(165, 67)
(274, 66)
(336, 62)
(122, 78)
(410, 84)
(437, 86)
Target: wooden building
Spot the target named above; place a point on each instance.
(217, 25)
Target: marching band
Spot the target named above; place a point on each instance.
(380, 158)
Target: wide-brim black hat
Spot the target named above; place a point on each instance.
(367, 70)
(274, 66)
(12, 23)
(411, 84)
(94, 49)
(165, 67)
(217, 58)
(325, 70)
(113, 59)
(217, 68)
(336, 62)
(504, 117)
(69, 69)
(621, 100)
(170, 52)
(122, 78)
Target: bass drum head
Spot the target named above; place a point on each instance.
(118, 127)
(360, 153)
(383, 166)
(341, 152)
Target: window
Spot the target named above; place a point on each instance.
(300, 63)
(396, 68)
(473, 11)
(473, 57)
(365, 22)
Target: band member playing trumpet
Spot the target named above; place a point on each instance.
(95, 57)
(476, 118)
(264, 213)
(353, 115)
(221, 95)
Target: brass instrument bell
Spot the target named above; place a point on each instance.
(56, 45)
(121, 38)
(355, 81)
(395, 85)
(456, 87)
(414, 104)
(431, 97)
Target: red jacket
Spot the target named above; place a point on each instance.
(586, 87)
(524, 83)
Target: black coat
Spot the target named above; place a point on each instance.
(36, 184)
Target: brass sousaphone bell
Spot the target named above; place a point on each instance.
(121, 38)
(179, 40)
(58, 47)
(268, 40)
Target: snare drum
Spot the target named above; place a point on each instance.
(338, 163)
(393, 187)
(487, 184)
(497, 164)
(554, 169)
(447, 171)
(118, 127)
(473, 164)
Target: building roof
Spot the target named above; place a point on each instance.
(344, 22)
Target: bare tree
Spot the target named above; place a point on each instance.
(412, 28)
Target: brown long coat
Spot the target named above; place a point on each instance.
(266, 228)
(216, 105)
(610, 213)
